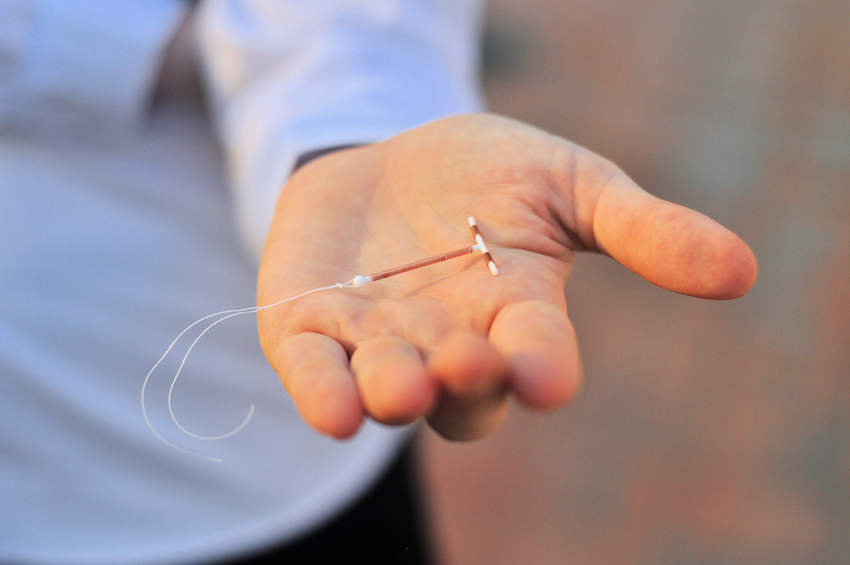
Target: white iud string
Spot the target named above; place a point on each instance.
(356, 282)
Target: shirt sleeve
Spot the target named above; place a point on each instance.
(286, 77)
(81, 67)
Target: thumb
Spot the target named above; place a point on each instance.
(669, 245)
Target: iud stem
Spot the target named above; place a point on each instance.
(361, 280)
(421, 263)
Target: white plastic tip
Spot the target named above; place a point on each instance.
(493, 268)
(360, 280)
(471, 221)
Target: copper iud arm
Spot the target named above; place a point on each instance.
(484, 251)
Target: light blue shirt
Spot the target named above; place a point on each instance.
(120, 225)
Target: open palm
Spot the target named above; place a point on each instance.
(450, 341)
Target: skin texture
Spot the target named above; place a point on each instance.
(450, 342)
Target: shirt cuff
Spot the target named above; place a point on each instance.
(305, 158)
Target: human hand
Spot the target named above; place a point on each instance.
(451, 341)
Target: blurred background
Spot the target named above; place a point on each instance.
(706, 432)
